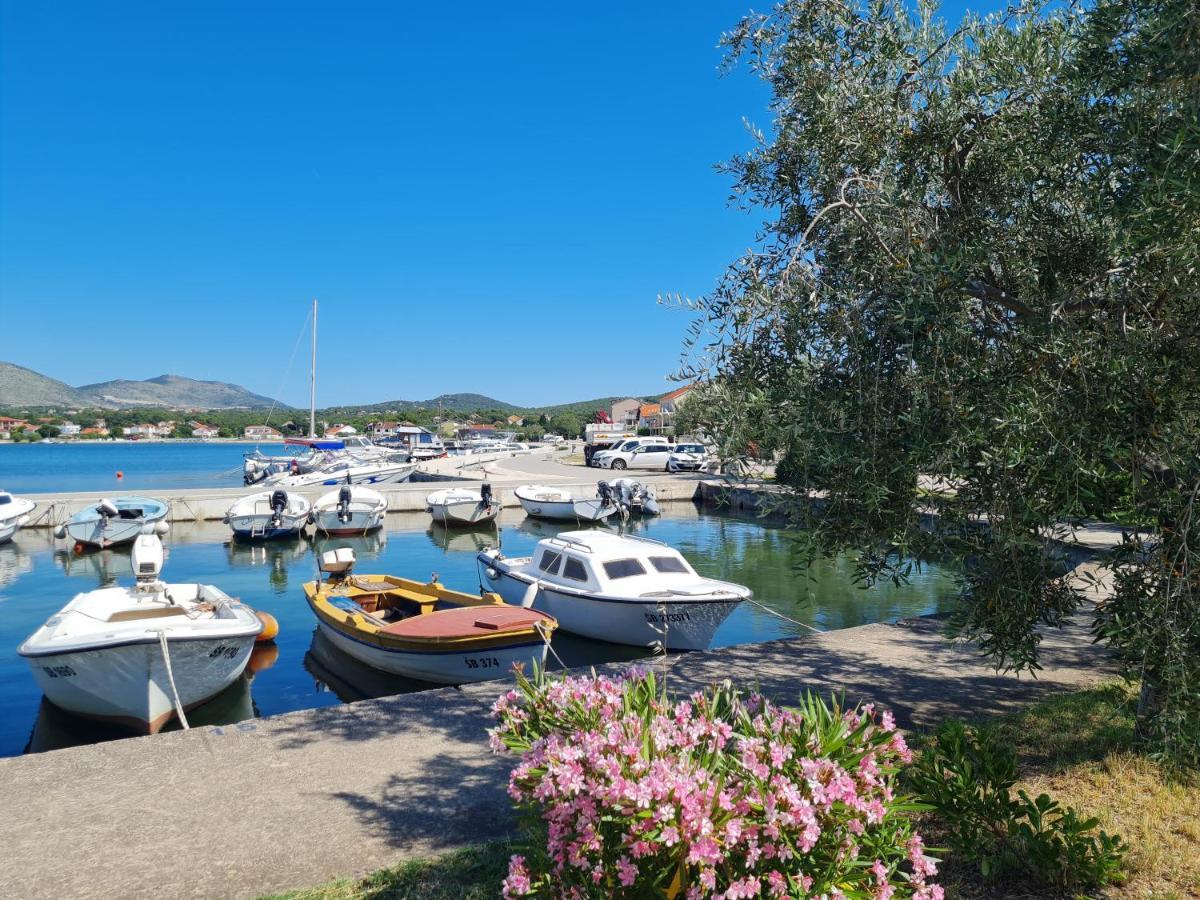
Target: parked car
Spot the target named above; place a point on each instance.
(687, 458)
(635, 453)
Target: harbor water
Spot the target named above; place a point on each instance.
(38, 575)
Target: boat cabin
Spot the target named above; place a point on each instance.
(597, 562)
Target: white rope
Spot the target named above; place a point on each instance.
(541, 629)
(166, 652)
(768, 609)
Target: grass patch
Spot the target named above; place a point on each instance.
(1080, 749)
(471, 874)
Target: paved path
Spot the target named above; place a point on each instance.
(298, 799)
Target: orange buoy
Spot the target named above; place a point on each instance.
(270, 627)
(79, 548)
(262, 657)
(120, 475)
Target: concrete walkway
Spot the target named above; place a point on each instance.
(298, 799)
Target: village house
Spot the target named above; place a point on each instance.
(516, 421)
(151, 430)
(475, 432)
(671, 403)
(69, 429)
(261, 432)
(340, 431)
(625, 412)
(95, 431)
(200, 430)
(9, 426)
(650, 417)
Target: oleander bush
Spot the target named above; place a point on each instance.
(966, 776)
(627, 793)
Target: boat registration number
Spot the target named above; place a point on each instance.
(482, 662)
(656, 618)
(59, 671)
(223, 652)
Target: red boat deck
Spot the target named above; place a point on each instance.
(466, 622)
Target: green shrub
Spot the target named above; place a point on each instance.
(966, 775)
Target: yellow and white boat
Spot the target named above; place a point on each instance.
(424, 630)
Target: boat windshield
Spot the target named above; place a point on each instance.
(668, 564)
(624, 568)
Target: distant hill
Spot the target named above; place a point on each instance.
(21, 387)
(471, 402)
(174, 391)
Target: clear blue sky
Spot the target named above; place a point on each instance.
(484, 197)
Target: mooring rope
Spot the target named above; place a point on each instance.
(166, 652)
(773, 612)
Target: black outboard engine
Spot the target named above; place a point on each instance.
(485, 495)
(345, 497)
(279, 505)
(604, 489)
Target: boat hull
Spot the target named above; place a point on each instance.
(678, 624)
(459, 666)
(567, 511)
(463, 513)
(360, 522)
(128, 684)
(259, 527)
(9, 527)
(93, 530)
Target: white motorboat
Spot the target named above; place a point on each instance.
(347, 471)
(14, 512)
(351, 509)
(457, 506)
(627, 590)
(140, 655)
(113, 521)
(317, 454)
(268, 515)
(554, 503)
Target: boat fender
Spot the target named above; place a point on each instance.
(492, 573)
(270, 626)
(60, 532)
(530, 595)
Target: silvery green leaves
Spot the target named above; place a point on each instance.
(977, 267)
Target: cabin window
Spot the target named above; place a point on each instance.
(668, 564)
(549, 561)
(624, 568)
(573, 569)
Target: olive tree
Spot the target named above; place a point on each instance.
(976, 294)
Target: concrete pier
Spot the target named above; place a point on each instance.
(504, 471)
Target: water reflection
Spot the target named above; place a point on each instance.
(463, 540)
(102, 566)
(14, 562)
(365, 546)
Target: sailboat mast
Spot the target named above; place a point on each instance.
(312, 387)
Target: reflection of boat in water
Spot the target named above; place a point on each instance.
(544, 528)
(273, 553)
(462, 540)
(363, 545)
(14, 562)
(106, 566)
(55, 729)
(350, 679)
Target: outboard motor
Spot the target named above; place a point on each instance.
(485, 495)
(345, 497)
(279, 505)
(337, 564)
(107, 509)
(605, 492)
(649, 501)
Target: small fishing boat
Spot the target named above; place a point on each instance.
(351, 509)
(423, 630)
(627, 590)
(14, 512)
(553, 503)
(268, 515)
(139, 655)
(347, 471)
(457, 506)
(113, 521)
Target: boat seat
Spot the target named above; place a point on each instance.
(152, 612)
(466, 622)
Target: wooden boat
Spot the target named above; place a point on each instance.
(617, 588)
(113, 522)
(462, 508)
(137, 656)
(350, 510)
(553, 503)
(424, 630)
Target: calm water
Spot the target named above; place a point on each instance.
(38, 575)
(46, 468)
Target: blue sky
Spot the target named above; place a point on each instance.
(484, 197)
